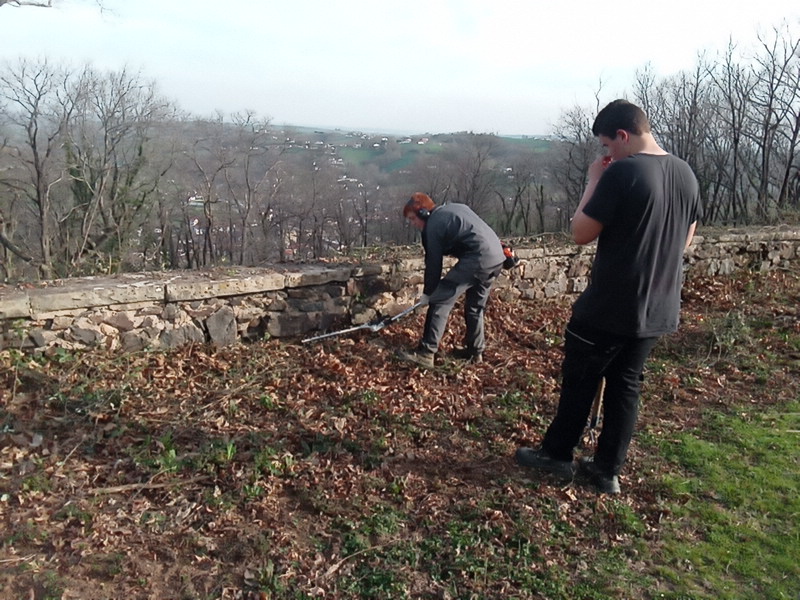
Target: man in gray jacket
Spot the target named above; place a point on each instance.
(453, 230)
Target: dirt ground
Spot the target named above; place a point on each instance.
(205, 473)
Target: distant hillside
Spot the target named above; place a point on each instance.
(396, 152)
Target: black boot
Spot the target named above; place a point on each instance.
(467, 354)
(540, 459)
(605, 483)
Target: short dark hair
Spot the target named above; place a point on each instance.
(418, 201)
(620, 114)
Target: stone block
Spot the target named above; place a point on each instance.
(43, 337)
(553, 289)
(363, 314)
(200, 312)
(180, 336)
(134, 341)
(62, 322)
(278, 305)
(337, 290)
(308, 306)
(529, 253)
(152, 322)
(367, 270)
(410, 264)
(245, 314)
(220, 288)
(85, 336)
(536, 269)
(221, 327)
(287, 325)
(303, 293)
(50, 300)
(733, 236)
(123, 321)
(14, 306)
(317, 276)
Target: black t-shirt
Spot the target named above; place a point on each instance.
(646, 204)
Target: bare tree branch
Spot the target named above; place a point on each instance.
(8, 244)
(19, 3)
(38, 4)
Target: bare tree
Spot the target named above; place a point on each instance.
(789, 194)
(316, 211)
(522, 197)
(735, 84)
(432, 177)
(18, 3)
(775, 100)
(274, 209)
(9, 248)
(39, 104)
(472, 166)
(113, 174)
(36, 3)
(682, 117)
(247, 179)
(357, 211)
(576, 148)
(679, 109)
(211, 155)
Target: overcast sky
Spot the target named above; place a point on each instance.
(416, 66)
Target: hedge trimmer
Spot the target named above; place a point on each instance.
(374, 325)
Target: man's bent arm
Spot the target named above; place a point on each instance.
(584, 228)
(690, 235)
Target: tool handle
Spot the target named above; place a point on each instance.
(335, 333)
(371, 326)
(594, 416)
(402, 314)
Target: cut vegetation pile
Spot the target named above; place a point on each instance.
(284, 470)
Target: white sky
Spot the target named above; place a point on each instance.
(416, 66)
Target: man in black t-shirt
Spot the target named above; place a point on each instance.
(641, 204)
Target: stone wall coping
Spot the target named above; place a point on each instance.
(45, 299)
(36, 300)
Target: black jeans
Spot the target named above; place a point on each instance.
(589, 355)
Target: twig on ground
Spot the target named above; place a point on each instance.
(116, 489)
(338, 565)
(5, 561)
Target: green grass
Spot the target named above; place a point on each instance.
(738, 481)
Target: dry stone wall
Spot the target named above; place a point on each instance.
(133, 312)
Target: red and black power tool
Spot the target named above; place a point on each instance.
(511, 259)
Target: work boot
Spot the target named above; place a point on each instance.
(420, 357)
(468, 355)
(540, 459)
(602, 481)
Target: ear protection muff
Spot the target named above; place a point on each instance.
(423, 213)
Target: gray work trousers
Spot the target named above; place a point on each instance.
(475, 287)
